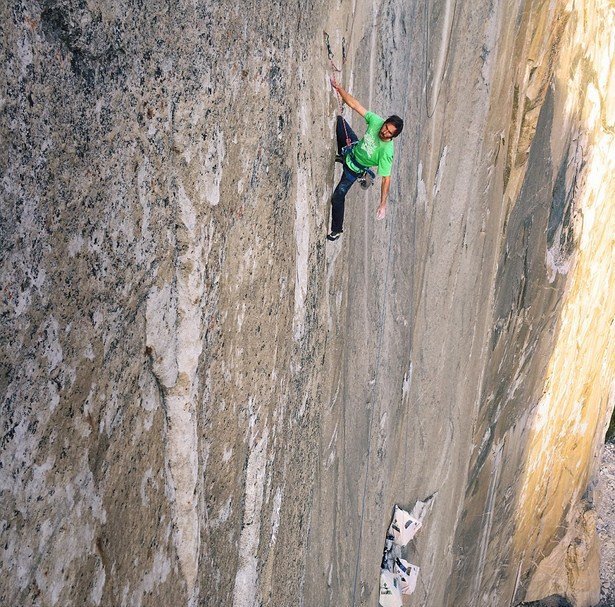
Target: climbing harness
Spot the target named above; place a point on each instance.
(366, 179)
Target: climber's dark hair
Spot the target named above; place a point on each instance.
(397, 122)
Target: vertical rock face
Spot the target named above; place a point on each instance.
(202, 402)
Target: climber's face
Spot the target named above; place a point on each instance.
(387, 132)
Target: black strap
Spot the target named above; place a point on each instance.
(357, 163)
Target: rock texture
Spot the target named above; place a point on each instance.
(203, 403)
(605, 506)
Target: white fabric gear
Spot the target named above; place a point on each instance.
(408, 575)
(390, 589)
(403, 527)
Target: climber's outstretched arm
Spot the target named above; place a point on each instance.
(384, 193)
(348, 99)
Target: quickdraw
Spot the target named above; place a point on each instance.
(330, 52)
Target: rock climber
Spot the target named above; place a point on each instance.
(375, 149)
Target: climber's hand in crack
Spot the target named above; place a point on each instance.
(347, 98)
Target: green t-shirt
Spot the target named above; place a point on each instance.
(371, 150)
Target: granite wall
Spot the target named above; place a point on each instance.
(203, 401)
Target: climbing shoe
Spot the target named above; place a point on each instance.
(339, 159)
(333, 235)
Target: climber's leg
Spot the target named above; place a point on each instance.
(339, 197)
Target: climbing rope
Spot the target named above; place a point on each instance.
(337, 70)
(380, 327)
